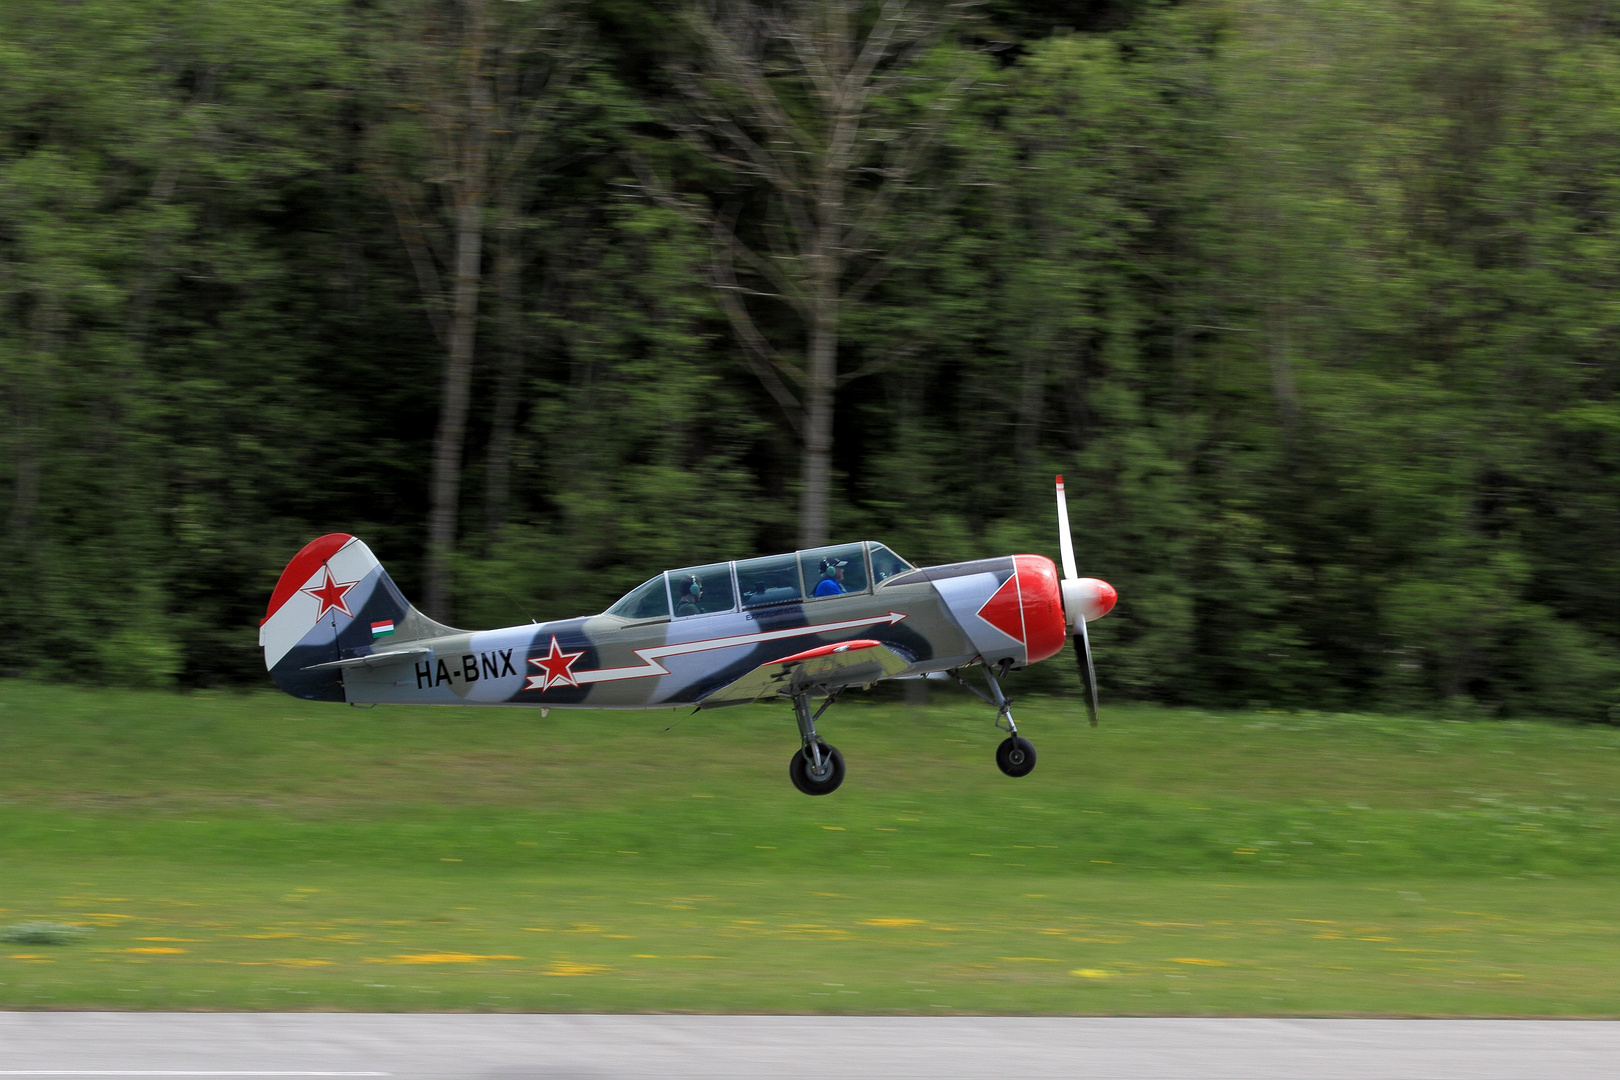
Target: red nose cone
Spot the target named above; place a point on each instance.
(1041, 598)
(1106, 598)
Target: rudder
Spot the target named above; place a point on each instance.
(334, 601)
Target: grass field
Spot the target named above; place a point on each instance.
(258, 852)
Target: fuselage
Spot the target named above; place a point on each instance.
(1003, 612)
(932, 616)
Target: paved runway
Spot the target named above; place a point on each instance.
(77, 1045)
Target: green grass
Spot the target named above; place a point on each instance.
(258, 852)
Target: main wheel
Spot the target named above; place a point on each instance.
(1016, 756)
(802, 771)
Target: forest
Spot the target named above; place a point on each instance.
(1313, 304)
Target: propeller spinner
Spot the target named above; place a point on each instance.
(1084, 600)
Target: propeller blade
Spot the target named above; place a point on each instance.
(1079, 596)
(1065, 543)
(1088, 674)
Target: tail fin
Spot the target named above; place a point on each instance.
(334, 601)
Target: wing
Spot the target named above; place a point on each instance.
(820, 670)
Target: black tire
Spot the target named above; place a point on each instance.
(1016, 756)
(799, 771)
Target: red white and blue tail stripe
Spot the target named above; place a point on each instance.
(332, 602)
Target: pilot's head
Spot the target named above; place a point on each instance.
(833, 568)
(692, 588)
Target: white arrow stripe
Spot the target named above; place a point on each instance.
(650, 657)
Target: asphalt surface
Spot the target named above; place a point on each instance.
(505, 1047)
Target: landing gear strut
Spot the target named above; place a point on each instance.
(1016, 754)
(817, 769)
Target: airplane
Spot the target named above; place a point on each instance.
(799, 626)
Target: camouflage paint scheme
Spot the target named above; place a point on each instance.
(338, 629)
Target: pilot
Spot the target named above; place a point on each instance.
(832, 577)
(691, 593)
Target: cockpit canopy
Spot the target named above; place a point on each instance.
(796, 577)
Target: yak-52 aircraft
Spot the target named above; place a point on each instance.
(799, 626)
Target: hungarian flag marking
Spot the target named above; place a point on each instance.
(382, 629)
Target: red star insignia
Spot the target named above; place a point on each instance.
(330, 593)
(556, 666)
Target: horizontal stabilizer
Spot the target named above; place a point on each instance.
(393, 656)
(819, 671)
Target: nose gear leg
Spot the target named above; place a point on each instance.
(1016, 754)
(1002, 702)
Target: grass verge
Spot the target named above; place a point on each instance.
(257, 852)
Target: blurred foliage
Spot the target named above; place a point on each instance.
(1313, 304)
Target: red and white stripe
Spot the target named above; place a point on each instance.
(293, 611)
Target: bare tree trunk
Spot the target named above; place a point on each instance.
(1031, 402)
(1282, 372)
(25, 428)
(464, 74)
(797, 96)
(821, 377)
(508, 282)
(1039, 345)
(452, 433)
(29, 393)
(26, 392)
(1077, 398)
